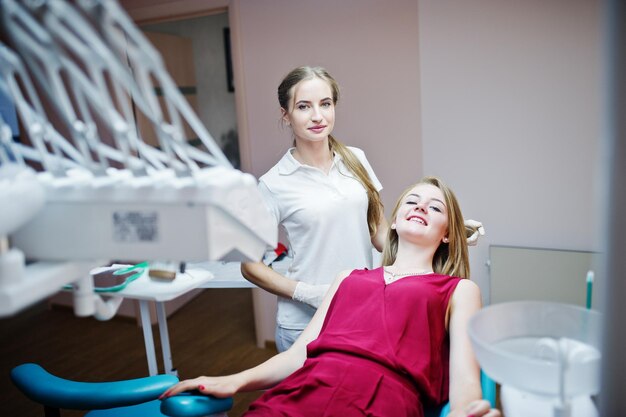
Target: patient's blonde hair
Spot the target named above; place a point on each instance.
(450, 258)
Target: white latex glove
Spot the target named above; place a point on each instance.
(310, 294)
(478, 230)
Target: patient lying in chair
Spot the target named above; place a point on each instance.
(385, 342)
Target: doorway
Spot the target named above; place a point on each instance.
(196, 52)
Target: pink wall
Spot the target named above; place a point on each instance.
(369, 46)
(512, 109)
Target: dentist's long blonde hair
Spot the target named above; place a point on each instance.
(450, 258)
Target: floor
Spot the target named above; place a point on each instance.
(211, 335)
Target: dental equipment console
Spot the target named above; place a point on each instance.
(98, 192)
(102, 193)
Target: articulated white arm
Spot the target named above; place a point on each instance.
(108, 194)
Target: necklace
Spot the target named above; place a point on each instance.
(394, 276)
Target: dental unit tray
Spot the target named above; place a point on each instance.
(219, 215)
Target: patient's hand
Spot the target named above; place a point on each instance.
(220, 387)
(479, 408)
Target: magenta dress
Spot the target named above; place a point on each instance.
(383, 350)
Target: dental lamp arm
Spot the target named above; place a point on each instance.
(29, 108)
(141, 51)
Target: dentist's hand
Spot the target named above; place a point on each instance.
(312, 295)
(474, 229)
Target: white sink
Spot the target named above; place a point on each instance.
(549, 349)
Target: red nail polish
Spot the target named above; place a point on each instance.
(201, 387)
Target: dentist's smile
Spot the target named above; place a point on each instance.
(317, 129)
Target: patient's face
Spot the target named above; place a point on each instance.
(422, 216)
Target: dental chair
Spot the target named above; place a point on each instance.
(139, 397)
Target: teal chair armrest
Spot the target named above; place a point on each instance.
(488, 386)
(194, 404)
(44, 388)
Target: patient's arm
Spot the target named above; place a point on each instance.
(270, 372)
(465, 389)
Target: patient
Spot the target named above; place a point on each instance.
(385, 342)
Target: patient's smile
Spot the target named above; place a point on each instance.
(418, 219)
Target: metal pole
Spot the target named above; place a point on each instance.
(148, 338)
(168, 368)
(611, 399)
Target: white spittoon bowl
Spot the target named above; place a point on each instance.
(545, 348)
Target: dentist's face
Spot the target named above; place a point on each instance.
(423, 216)
(312, 111)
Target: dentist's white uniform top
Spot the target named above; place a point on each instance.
(325, 220)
